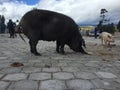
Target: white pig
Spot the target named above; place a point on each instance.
(106, 38)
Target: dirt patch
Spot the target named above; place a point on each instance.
(117, 34)
(16, 64)
(104, 51)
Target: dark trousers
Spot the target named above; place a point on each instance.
(12, 32)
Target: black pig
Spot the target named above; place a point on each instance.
(51, 26)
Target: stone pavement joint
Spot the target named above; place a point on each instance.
(52, 71)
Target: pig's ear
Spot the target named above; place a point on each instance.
(109, 36)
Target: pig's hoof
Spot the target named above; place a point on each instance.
(61, 53)
(37, 54)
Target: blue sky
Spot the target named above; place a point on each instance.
(30, 2)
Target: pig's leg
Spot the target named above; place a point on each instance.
(33, 44)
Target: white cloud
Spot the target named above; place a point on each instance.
(82, 11)
(14, 10)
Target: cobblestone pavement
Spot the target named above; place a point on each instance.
(52, 71)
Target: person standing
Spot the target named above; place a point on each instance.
(11, 28)
(95, 32)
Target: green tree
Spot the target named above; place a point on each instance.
(112, 28)
(99, 26)
(103, 20)
(103, 16)
(103, 26)
(118, 26)
(2, 24)
(109, 28)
